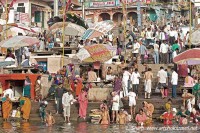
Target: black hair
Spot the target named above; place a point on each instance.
(161, 67)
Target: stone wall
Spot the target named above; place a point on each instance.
(99, 94)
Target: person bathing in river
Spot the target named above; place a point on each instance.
(105, 117)
(50, 121)
(121, 117)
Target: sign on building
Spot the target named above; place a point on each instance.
(102, 3)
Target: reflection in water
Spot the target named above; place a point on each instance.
(82, 127)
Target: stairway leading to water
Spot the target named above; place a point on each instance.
(155, 99)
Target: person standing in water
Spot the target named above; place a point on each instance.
(50, 121)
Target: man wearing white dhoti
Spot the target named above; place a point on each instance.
(148, 79)
(126, 77)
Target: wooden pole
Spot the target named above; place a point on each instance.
(63, 33)
(6, 17)
(190, 24)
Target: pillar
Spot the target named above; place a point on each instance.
(55, 8)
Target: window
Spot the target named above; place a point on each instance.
(37, 16)
(21, 9)
(20, 4)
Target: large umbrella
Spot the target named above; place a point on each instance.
(21, 26)
(96, 52)
(70, 29)
(190, 57)
(99, 29)
(19, 41)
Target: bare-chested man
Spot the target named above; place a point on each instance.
(148, 79)
(50, 119)
(105, 117)
(121, 118)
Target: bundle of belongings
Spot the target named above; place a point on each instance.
(95, 115)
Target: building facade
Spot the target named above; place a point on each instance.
(29, 12)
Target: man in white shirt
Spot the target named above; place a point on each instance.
(149, 36)
(9, 92)
(136, 47)
(132, 102)
(135, 80)
(174, 82)
(162, 80)
(164, 51)
(67, 100)
(115, 105)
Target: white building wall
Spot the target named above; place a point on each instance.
(27, 5)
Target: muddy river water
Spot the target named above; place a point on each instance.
(84, 127)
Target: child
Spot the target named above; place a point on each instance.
(50, 119)
(18, 113)
(168, 104)
(42, 111)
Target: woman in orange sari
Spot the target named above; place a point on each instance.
(25, 103)
(78, 85)
(6, 107)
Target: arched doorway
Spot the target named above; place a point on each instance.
(133, 16)
(104, 16)
(118, 18)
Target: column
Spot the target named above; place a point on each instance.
(55, 8)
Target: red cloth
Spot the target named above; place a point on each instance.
(183, 70)
(166, 92)
(168, 118)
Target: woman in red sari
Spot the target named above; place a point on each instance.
(83, 103)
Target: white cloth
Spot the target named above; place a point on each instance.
(171, 33)
(66, 110)
(41, 48)
(110, 37)
(148, 35)
(135, 78)
(66, 99)
(115, 105)
(156, 47)
(126, 76)
(174, 79)
(136, 46)
(189, 105)
(148, 86)
(132, 98)
(26, 51)
(8, 92)
(164, 48)
(162, 74)
(174, 54)
(162, 36)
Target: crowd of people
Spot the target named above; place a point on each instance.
(72, 83)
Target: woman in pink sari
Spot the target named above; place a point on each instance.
(83, 103)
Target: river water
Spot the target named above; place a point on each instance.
(84, 127)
